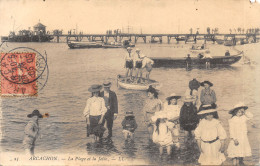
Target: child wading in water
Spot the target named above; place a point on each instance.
(210, 136)
(129, 125)
(162, 134)
(239, 146)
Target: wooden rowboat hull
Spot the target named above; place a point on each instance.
(217, 61)
(132, 86)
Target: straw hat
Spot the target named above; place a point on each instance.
(237, 107)
(95, 88)
(107, 84)
(35, 113)
(129, 48)
(206, 82)
(188, 98)
(206, 111)
(173, 96)
(137, 49)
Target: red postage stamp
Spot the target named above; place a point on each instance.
(18, 74)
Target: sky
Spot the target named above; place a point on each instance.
(146, 16)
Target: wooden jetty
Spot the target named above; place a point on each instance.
(155, 38)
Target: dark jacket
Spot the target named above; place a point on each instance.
(112, 102)
(129, 124)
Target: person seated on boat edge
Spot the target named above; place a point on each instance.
(129, 64)
(138, 65)
(200, 55)
(227, 53)
(188, 61)
(147, 64)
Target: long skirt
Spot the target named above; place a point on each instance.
(94, 127)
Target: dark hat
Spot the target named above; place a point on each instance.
(35, 113)
(173, 96)
(206, 82)
(107, 84)
(95, 88)
(194, 84)
(129, 113)
(237, 107)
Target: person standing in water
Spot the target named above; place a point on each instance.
(94, 112)
(152, 105)
(31, 131)
(129, 64)
(111, 104)
(207, 96)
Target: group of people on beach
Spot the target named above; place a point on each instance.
(137, 62)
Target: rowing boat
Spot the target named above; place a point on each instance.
(215, 61)
(74, 45)
(136, 86)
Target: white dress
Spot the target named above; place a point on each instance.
(238, 131)
(209, 131)
(172, 111)
(164, 137)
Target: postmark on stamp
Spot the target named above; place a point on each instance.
(24, 71)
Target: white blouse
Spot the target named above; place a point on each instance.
(95, 106)
(210, 130)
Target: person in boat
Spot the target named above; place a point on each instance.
(188, 61)
(200, 56)
(147, 64)
(94, 112)
(202, 46)
(207, 96)
(227, 53)
(31, 131)
(188, 117)
(129, 64)
(210, 136)
(111, 104)
(172, 110)
(138, 65)
(207, 58)
(193, 91)
(152, 105)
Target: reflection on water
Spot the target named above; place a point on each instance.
(72, 72)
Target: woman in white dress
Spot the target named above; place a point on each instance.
(239, 146)
(210, 136)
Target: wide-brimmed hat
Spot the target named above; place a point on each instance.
(95, 88)
(35, 113)
(206, 82)
(174, 119)
(194, 84)
(129, 48)
(237, 107)
(142, 56)
(206, 111)
(129, 113)
(188, 98)
(173, 96)
(107, 84)
(137, 49)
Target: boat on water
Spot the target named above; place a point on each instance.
(136, 86)
(215, 61)
(74, 44)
